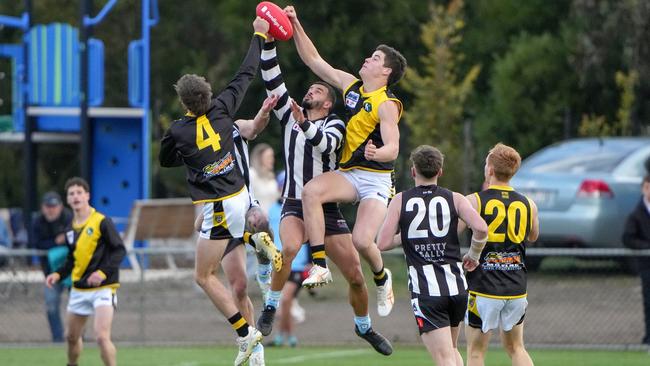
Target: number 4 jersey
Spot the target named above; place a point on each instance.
(205, 146)
(428, 225)
(501, 272)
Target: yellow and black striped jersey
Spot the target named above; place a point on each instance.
(94, 245)
(362, 110)
(502, 271)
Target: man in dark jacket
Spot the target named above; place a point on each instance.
(637, 236)
(49, 234)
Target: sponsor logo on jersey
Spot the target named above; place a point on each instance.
(221, 167)
(351, 99)
(502, 261)
(431, 252)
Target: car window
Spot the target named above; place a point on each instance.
(580, 156)
(634, 165)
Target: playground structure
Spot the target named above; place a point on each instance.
(58, 91)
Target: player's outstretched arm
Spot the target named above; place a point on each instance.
(274, 82)
(232, 96)
(310, 56)
(250, 128)
(386, 239)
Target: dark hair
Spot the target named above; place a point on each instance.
(427, 161)
(194, 92)
(331, 92)
(646, 179)
(76, 181)
(395, 61)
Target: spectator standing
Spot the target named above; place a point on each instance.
(49, 234)
(637, 236)
(263, 181)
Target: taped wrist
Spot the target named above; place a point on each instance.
(476, 247)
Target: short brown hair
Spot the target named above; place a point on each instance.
(76, 181)
(646, 179)
(395, 61)
(504, 160)
(427, 161)
(194, 92)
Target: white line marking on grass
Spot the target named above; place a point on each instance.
(317, 356)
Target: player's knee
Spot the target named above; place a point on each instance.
(289, 253)
(356, 280)
(102, 339)
(201, 278)
(239, 290)
(361, 241)
(513, 348)
(72, 338)
(311, 194)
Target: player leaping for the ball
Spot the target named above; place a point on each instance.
(367, 160)
(202, 140)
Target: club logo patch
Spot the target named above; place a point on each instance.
(351, 99)
(367, 107)
(89, 231)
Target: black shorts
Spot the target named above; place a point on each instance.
(334, 220)
(232, 244)
(432, 313)
(297, 277)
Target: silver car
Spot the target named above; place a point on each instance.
(584, 189)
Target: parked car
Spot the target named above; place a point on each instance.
(584, 189)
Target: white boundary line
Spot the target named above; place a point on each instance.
(318, 356)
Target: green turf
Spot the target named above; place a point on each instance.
(312, 356)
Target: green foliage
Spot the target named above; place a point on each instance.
(440, 91)
(529, 95)
(594, 125)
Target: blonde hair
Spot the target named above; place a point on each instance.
(504, 160)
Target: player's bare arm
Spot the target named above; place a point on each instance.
(479, 227)
(386, 239)
(534, 229)
(250, 128)
(474, 203)
(310, 56)
(388, 119)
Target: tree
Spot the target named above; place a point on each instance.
(529, 95)
(439, 90)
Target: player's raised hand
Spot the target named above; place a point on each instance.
(370, 151)
(291, 13)
(260, 25)
(469, 264)
(269, 103)
(296, 111)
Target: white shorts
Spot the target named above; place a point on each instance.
(376, 185)
(225, 219)
(488, 313)
(84, 302)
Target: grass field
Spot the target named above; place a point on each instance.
(312, 356)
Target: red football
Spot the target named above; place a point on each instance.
(280, 26)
